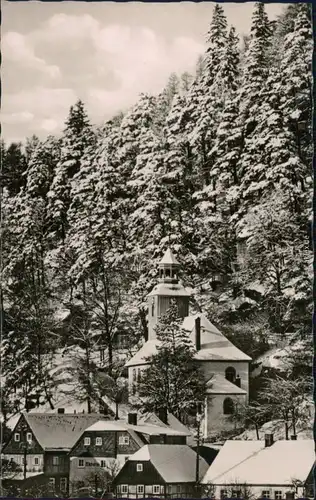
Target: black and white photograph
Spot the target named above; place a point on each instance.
(157, 250)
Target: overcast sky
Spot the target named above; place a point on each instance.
(105, 53)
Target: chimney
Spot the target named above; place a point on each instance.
(163, 415)
(198, 333)
(238, 381)
(132, 418)
(268, 438)
(60, 410)
(293, 437)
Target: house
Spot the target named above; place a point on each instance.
(40, 445)
(269, 469)
(225, 367)
(165, 471)
(105, 446)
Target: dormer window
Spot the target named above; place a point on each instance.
(98, 441)
(87, 441)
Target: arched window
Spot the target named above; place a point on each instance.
(230, 374)
(228, 406)
(153, 307)
(134, 381)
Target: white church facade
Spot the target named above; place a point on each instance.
(225, 368)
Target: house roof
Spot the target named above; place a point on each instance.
(220, 385)
(107, 425)
(59, 431)
(143, 427)
(169, 258)
(214, 345)
(250, 462)
(155, 430)
(175, 463)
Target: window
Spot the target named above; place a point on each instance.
(29, 437)
(230, 374)
(98, 441)
(228, 406)
(87, 441)
(63, 484)
(51, 483)
(153, 307)
(236, 493)
(134, 382)
(36, 461)
(124, 488)
(224, 493)
(156, 489)
(55, 460)
(124, 440)
(80, 462)
(17, 437)
(278, 495)
(265, 494)
(103, 463)
(139, 467)
(178, 488)
(140, 489)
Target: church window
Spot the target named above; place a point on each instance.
(153, 307)
(134, 381)
(230, 374)
(228, 406)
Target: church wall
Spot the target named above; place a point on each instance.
(158, 305)
(219, 367)
(215, 420)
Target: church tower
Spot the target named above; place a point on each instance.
(168, 288)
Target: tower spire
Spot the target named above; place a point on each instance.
(168, 268)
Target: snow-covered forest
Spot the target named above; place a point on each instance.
(218, 167)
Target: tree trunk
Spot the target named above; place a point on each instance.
(286, 430)
(257, 432)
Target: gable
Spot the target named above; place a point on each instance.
(22, 428)
(129, 475)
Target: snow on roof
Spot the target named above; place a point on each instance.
(169, 258)
(220, 385)
(175, 463)
(170, 290)
(154, 430)
(143, 427)
(107, 425)
(250, 462)
(214, 345)
(59, 430)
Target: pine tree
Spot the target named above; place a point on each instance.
(173, 381)
(13, 167)
(296, 81)
(77, 137)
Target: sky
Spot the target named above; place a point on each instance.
(104, 53)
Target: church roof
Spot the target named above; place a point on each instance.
(170, 290)
(169, 258)
(220, 385)
(214, 345)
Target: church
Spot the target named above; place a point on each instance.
(225, 368)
